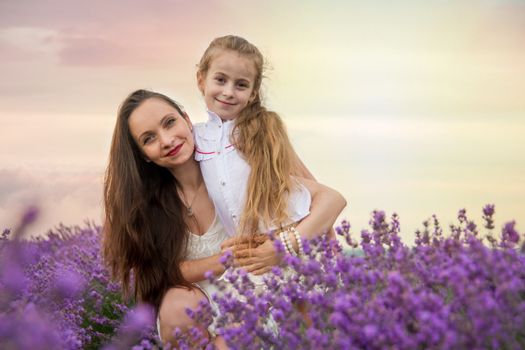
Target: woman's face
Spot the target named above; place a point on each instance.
(162, 134)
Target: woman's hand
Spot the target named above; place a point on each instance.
(257, 260)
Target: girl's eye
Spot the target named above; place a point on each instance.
(219, 80)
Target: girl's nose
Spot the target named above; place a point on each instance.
(227, 90)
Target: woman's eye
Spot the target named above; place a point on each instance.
(170, 122)
(147, 140)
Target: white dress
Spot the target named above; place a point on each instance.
(209, 243)
(206, 245)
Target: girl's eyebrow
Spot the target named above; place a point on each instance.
(226, 75)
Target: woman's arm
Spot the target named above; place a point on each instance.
(194, 270)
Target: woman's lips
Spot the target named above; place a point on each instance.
(174, 151)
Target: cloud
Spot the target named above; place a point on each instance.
(353, 57)
(12, 53)
(63, 196)
(56, 140)
(97, 51)
(63, 14)
(26, 44)
(100, 33)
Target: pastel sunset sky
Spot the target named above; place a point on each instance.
(416, 107)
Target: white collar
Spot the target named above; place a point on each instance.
(215, 119)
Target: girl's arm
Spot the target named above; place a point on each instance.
(194, 270)
(326, 206)
(299, 169)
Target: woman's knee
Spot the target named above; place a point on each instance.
(172, 311)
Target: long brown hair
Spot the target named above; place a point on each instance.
(260, 135)
(145, 235)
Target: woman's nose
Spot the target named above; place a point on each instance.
(166, 140)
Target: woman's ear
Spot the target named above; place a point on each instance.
(188, 120)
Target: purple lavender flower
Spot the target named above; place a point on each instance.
(68, 283)
(488, 210)
(509, 233)
(462, 215)
(227, 258)
(445, 292)
(30, 215)
(137, 323)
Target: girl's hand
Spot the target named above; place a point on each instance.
(230, 243)
(257, 260)
(244, 241)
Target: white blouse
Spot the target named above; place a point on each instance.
(226, 174)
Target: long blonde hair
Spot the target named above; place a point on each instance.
(260, 135)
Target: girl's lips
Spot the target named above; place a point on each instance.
(174, 151)
(226, 103)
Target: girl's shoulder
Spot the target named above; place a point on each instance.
(206, 141)
(199, 129)
(204, 134)
(206, 131)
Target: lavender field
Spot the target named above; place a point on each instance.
(462, 287)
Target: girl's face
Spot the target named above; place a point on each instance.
(228, 86)
(162, 134)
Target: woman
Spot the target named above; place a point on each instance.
(161, 226)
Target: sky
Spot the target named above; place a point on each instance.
(413, 107)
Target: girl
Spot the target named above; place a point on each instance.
(161, 227)
(246, 158)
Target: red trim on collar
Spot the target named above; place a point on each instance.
(201, 152)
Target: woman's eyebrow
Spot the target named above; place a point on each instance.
(145, 133)
(160, 123)
(171, 114)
